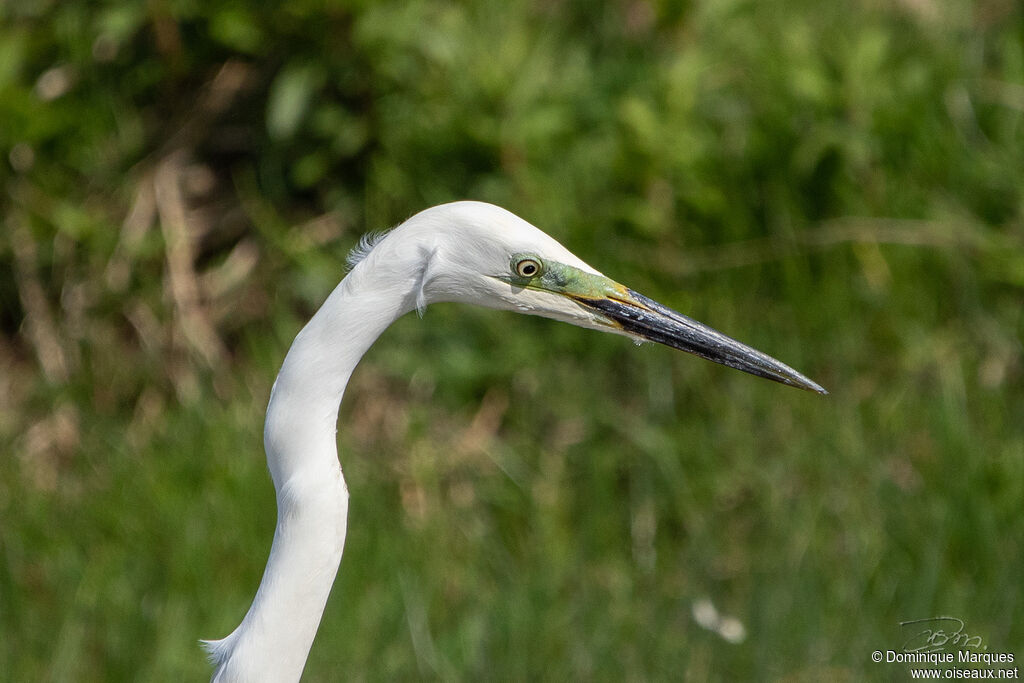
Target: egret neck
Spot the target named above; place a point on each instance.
(274, 638)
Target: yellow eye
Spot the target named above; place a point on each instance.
(527, 267)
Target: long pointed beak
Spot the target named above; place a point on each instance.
(645, 318)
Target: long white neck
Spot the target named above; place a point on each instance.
(274, 638)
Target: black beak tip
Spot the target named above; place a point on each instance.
(790, 377)
(818, 389)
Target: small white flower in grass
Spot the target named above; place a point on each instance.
(705, 614)
(732, 630)
(707, 617)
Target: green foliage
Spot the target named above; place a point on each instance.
(840, 185)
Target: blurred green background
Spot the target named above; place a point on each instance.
(838, 184)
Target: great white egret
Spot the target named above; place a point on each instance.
(467, 252)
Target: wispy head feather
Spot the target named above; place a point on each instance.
(366, 244)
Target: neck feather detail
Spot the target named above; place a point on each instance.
(274, 638)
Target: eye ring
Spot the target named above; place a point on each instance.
(528, 267)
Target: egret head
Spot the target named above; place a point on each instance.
(478, 253)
